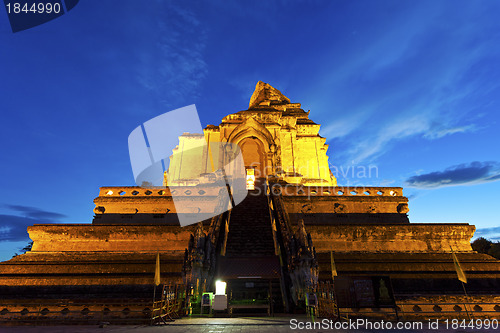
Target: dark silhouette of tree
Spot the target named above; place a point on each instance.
(28, 247)
(481, 245)
(25, 249)
(495, 250)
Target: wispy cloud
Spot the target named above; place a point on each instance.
(344, 125)
(13, 227)
(488, 233)
(463, 174)
(414, 81)
(35, 213)
(372, 146)
(172, 65)
(437, 132)
(412, 195)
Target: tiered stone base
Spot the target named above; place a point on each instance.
(92, 262)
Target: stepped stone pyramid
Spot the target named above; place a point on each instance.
(286, 234)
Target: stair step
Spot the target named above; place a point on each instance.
(250, 231)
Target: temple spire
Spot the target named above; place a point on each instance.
(265, 94)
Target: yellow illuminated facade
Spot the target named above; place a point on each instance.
(276, 139)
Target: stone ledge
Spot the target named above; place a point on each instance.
(409, 238)
(114, 238)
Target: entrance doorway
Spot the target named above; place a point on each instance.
(254, 156)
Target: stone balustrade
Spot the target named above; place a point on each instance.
(286, 190)
(137, 191)
(294, 190)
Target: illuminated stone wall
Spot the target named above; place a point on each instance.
(284, 143)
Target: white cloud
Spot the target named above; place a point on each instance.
(343, 126)
(417, 80)
(439, 133)
(172, 65)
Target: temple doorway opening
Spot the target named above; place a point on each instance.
(254, 156)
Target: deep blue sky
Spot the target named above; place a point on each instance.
(411, 87)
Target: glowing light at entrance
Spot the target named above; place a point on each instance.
(220, 288)
(250, 179)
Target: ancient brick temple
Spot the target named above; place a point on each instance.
(290, 235)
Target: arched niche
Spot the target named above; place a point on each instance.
(256, 143)
(254, 155)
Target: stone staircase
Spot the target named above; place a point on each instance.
(250, 233)
(249, 257)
